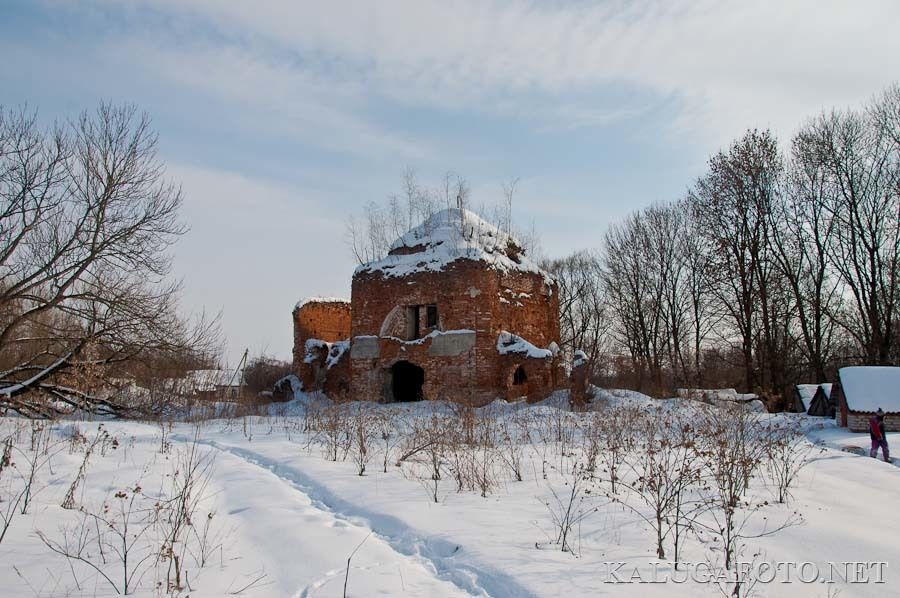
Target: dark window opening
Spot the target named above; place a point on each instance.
(519, 376)
(431, 316)
(412, 323)
(406, 381)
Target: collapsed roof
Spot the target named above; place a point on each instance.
(450, 235)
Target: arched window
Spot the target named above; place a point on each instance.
(519, 376)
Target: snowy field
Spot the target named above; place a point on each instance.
(274, 506)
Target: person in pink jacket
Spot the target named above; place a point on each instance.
(876, 433)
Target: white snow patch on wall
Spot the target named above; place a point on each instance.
(334, 351)
(507, 343)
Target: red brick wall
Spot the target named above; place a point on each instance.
(316, 375)
(474, 377)
(325, 320)
(470, 296)
(530, 308)
(311, 373)
(578, 383)
(452, 290)
(337, 381)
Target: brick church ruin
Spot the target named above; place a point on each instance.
(456, 311)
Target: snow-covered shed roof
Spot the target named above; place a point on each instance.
(306, 300)
(806, 392)
(450, 235)
(869, 388)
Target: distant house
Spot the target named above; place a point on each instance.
(864, 390)
(222, 385)
(815, 399)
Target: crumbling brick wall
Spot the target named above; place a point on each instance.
(475, 303)
(579, 382)
(326, 320)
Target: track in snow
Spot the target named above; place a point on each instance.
(444, 558)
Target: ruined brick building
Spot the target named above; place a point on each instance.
(455, 311)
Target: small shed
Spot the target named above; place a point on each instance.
(216, 385)
(814, 399)
(862, 391)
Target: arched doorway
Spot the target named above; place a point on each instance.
(406, 381)
(519, 376)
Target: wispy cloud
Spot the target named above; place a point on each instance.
(265, 95)
(732, 64)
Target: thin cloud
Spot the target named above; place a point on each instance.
(275, 98)
(734, 64)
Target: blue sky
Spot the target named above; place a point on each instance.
(281, 119)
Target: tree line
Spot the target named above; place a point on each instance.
(780, 264)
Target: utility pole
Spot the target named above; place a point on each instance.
(242, 365)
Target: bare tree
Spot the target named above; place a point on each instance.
(734, 201)
(696, 251)
(371, 235)
(388, 434)
(616, 428)
(263, 371)
(666, 224)
(805, 230)
(363, 434)
(860, 161)
(732, 447)
(787, 452)
(660, 474)
(509, 190)
(634, 290)
(370, 238)
(86, 221)
(570, 506)
(583, 315)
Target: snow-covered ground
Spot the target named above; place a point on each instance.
(281, 518)
(825, 432)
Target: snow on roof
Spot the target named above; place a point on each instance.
(450, 235)
(306, 300)
(210, 379)
(869, 388)
(806, 392)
